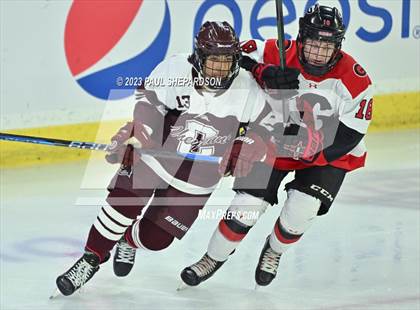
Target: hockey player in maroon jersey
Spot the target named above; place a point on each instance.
(332, 86)
(190, 118)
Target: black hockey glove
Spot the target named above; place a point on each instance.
(270, 76)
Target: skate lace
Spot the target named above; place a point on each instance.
(270, 261)
(204, 266)
(80, 273)
(125, 253)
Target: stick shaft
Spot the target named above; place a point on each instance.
(105, 147)
(280, 33)
(54, 142)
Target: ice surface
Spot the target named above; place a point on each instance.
(363, 255)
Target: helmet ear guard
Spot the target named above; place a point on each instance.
(321, 23)
(216, 39)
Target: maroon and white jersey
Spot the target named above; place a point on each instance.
(345, 93)
(182, 118)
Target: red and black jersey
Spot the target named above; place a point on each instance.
(344, 93)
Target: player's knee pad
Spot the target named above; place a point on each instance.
(246, 209)
(298, 212)
(152, 237)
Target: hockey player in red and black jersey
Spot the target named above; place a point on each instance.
(201, 117)
(334, 90)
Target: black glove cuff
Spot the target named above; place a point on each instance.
(247, 63)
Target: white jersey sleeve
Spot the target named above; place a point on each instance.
(156, 96)
(357, 112)
(162, 78)
(258, 97)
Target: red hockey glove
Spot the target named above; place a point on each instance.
(305, 146)
(245, 151)
(129, 136)
(306, 112)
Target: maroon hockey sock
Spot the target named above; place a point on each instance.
(112, 222)
(128, 237)
(97, 244)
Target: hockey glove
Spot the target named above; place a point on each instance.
(245, 151)
(300, 143)
(123, 142)
(272, 77)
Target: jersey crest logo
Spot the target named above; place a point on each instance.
(197, 137)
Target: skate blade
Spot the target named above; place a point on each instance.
(182, 287)
(55, 294)
(257, 287)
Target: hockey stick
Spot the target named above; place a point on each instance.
(280, 33)
(282, 52)
(106, 147)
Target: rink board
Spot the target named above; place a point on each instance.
(391, 112)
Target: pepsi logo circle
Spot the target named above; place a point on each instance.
(94, 29)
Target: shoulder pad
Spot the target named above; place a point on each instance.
(353, 75)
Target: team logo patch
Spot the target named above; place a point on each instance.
(249, 46)
(358, 69)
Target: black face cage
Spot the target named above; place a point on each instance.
(198, 60)
(312, 32)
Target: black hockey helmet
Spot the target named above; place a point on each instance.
(217, 39)
(321, 23)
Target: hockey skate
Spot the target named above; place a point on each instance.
(123, 258)
(267, 265)
(200, 271)
(81, 272)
